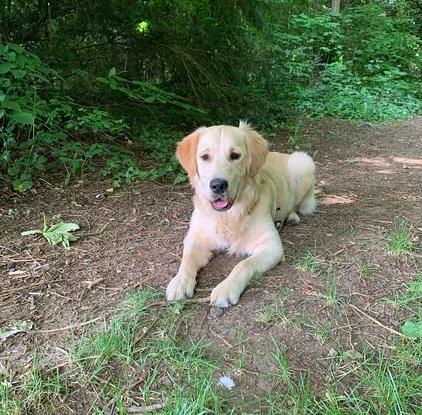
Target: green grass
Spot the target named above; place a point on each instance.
(136, 359)
(308, 263)
(412, 298)
(322, 332)
(380, 383)
(273, 313)
(365, 269)
(399, 241)
(140, 358)
(36, 391)
(329, 294)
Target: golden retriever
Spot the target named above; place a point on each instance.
(242, 191)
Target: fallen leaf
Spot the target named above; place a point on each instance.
(92, 283)
(13, 327)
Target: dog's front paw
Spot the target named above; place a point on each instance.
(226, 293)
(179, 288)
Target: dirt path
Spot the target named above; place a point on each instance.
(370, 180)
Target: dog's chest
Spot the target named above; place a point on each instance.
(228, 231)
(225, 230)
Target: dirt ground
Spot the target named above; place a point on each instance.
(370, 179)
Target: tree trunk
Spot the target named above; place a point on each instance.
(335, 6)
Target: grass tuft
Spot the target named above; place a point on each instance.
(400, 241)
(309, 263)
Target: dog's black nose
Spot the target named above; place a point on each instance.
(219, 185)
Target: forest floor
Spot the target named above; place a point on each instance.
(343, 291)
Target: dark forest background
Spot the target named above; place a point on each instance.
(111, 85)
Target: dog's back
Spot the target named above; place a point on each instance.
(293, 178)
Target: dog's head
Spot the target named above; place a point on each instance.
(220, 159)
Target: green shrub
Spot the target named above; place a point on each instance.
(43, 130)
(362, 64)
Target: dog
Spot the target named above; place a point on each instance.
(243, 193)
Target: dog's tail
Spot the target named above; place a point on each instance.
(301, 172)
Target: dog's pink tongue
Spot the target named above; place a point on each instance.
(220, 203)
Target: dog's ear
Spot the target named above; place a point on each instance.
(186, 153)
(257, 148)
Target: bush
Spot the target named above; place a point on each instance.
(43, 130)
(362, 64)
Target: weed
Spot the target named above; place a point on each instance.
(283, 373)
(322, 331)
(10, 403)
(348, 230)
(365, 269)
(296, 135)
(412, 300)
(330, 290)
(399, 241)
(138, 360)
(383, 383)
(125, 349)
(56, 234)
(352, 160)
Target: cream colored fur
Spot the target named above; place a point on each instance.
(258, 182)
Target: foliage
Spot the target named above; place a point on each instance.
(363, 64)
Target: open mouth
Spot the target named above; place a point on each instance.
(221, 204)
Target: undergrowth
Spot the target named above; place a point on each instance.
(65, 113)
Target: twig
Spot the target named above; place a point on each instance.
(222, 339)
(188, 301)
(339, 251)
(144, 409)
(359, 311)
(144, 333)
(92, 283)
(73, 326)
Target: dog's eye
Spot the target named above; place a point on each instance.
(234, 156)
(205, 157)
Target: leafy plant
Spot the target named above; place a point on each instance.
(56, 234)
(412, 300)
(412, 329)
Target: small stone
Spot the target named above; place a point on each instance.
(216, 312)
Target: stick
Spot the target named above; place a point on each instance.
(143, 334)
(376, 321)
(144, 409)
(230, 346)
(73, 326)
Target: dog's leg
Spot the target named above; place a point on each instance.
(308, 204)
(195, 256)
(264, 258)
